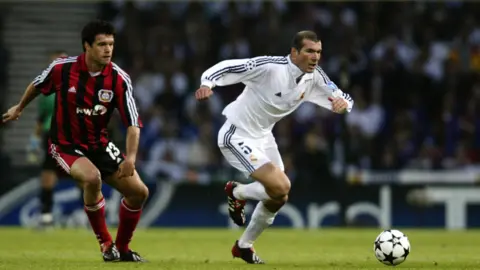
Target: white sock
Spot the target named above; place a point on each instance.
(253, 191)
(261, 219)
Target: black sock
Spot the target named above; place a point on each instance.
(46, 199)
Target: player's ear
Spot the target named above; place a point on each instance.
(86, 46)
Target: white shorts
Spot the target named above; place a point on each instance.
(245, 153)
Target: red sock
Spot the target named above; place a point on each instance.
(128, 220)
(96, 216)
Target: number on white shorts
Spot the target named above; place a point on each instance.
(247, 150)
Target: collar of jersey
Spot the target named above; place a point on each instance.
(294, 70)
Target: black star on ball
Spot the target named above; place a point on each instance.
(389, 257)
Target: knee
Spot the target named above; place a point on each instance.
(283, 200)
(274, 205)
(143, 193)
(281, 188)
(139, 195)
(278, 202)
(275, 181)
(92, 179)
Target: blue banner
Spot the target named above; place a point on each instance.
(311, 206)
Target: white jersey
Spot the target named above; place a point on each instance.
(271, 91)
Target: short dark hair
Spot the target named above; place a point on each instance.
(299, 37)
(94, 28)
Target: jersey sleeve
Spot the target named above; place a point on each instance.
(324, 88)
(234, 71)
(45, 81)
(125, 101)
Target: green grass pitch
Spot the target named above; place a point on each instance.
(199, 249)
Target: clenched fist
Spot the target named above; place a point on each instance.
(339, 105)
(204, 92)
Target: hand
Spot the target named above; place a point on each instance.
(203, 92)
(126, 168)
(339, 105)
(12, 114)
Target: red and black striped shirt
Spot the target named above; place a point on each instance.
(85, 101)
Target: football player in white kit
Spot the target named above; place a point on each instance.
(275, 87)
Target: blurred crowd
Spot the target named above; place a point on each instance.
(413, 69)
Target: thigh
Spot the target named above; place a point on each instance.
(241, 152)
(271, 151)
(64, 157)
(107, 159)
(128, 186)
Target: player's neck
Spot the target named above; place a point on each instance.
(92, 65)
(296, 69)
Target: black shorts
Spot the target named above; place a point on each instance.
(48, 163)
(106, 159)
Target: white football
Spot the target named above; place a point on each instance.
(391, 247)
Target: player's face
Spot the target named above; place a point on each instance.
(307, 58)
(102, 49)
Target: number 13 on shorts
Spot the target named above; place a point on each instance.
(114, 152)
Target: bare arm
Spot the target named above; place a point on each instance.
(128, 111)
(30, 94)
(43, 83)
(14, 112)
(133, 138)
(127, 108)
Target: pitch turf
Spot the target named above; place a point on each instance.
(210, 249)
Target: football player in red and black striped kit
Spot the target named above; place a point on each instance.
(88, 89)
